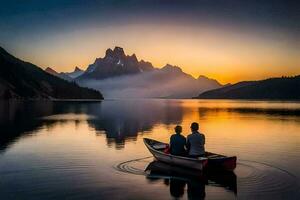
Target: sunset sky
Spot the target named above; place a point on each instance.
(224, 39)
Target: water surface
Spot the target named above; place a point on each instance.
(94, 150)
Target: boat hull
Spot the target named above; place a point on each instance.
(212, 160)
(198, 164)
(225, 163)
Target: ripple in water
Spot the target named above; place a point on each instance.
(136, 166)
(254, 179)
(258, 179)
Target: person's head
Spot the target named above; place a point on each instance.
(178, 129)
(194, 126)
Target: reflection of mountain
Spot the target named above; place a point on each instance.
(19, 119)
(273, 88)
(122, 120)
(19, 79)
(120, 75)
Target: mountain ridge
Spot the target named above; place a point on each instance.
(118, 75)
(23, 80)
(115, 63)
(284, 88)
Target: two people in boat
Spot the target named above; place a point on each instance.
(192, 146)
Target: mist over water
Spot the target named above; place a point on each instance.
(59, 150)
(150, 85)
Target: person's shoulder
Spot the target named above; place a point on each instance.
(173, 135)
(182, 136)
(202, 135)
(189, 135)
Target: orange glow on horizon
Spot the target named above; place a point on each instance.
(225, 54)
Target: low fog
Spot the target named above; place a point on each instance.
(154, 84)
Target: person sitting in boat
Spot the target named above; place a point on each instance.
(195, 142)
(178, 143)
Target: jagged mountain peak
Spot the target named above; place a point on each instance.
(145, 62)
(203, 78)
(121, 75)
(119, 50)
(115, 55)
(108, 52)
(115, 63)
(77, 69)
(173, 68)
(132, 58)
(51, 71)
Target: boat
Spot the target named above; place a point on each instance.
(210, 161)
(157, 148)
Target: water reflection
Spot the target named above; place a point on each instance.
(250, 111)
(22, 118)
(48, 147)
(17, 119)
(179, 178)
(122, 121)
(195, 190)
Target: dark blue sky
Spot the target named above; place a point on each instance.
(31, 16)
(33, 27)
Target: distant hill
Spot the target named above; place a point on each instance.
(68, 76)
(51, 71)
(77, 72)
(285, 88)
(19, 79)
(118, 75)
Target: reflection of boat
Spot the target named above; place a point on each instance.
(211, 160)
(157, 149)
(222, 178)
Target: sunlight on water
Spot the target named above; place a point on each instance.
(89, 150)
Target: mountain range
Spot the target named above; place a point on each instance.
(68, 76)
(23, 80)
(118, 75)
(284, 88)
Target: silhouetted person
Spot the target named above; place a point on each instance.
(195, 142)
(178, 143)
(195, 191)
(177, 187)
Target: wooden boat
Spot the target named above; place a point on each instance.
(211, 160)
(157, 148)
(218, 161)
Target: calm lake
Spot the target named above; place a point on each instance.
(94, 150)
